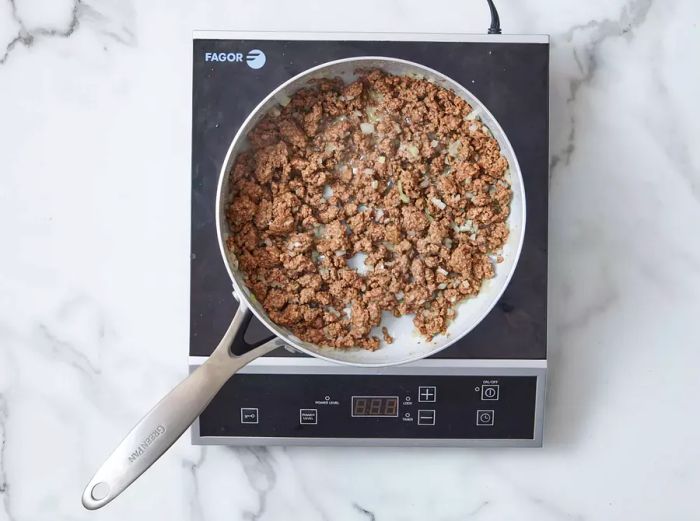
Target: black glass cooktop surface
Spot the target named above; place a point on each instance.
(231, 76)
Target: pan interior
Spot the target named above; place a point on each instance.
(408, 344)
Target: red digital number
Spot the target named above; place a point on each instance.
(360, 406)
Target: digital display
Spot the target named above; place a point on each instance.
(375, 406)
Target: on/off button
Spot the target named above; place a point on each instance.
(490, 392)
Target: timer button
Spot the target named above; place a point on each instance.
(426, 417)
(308, 416)
(484, 418)
(427, 393)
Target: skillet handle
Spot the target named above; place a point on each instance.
(154, 434)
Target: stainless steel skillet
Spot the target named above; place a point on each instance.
(165, 423)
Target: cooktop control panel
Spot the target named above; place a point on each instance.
(297, 403)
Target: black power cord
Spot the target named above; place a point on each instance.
(495, 20)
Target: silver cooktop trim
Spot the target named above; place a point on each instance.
(297, 364)
(370, 36)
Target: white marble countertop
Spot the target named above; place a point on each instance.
(95, 115)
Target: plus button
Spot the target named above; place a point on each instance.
(427, 393)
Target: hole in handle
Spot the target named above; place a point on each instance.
(99, 491)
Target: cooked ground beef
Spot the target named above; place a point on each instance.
(393, 167)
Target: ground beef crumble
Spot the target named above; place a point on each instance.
(392, 167)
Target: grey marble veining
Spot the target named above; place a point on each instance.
(27, 37)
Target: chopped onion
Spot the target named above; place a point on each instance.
(377, 96)
(434, 143)
(454, 147)
(388, 245)
(425, 183)
(340, 253)
(381, 159)
(367, 128)
(372, 115)
(375, 184)
(404, 198)
(473, 115)
(378, 214)
(468, 226)
(447, 242)
(399, 295)
(368, 171)
(283, 100)
(411, 149)
(330, 147)
(357, 113)
(442, 271)
(437, 202)
(442, 285)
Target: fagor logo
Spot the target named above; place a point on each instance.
(255, 58)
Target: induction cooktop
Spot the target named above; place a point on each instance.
(488, 388)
